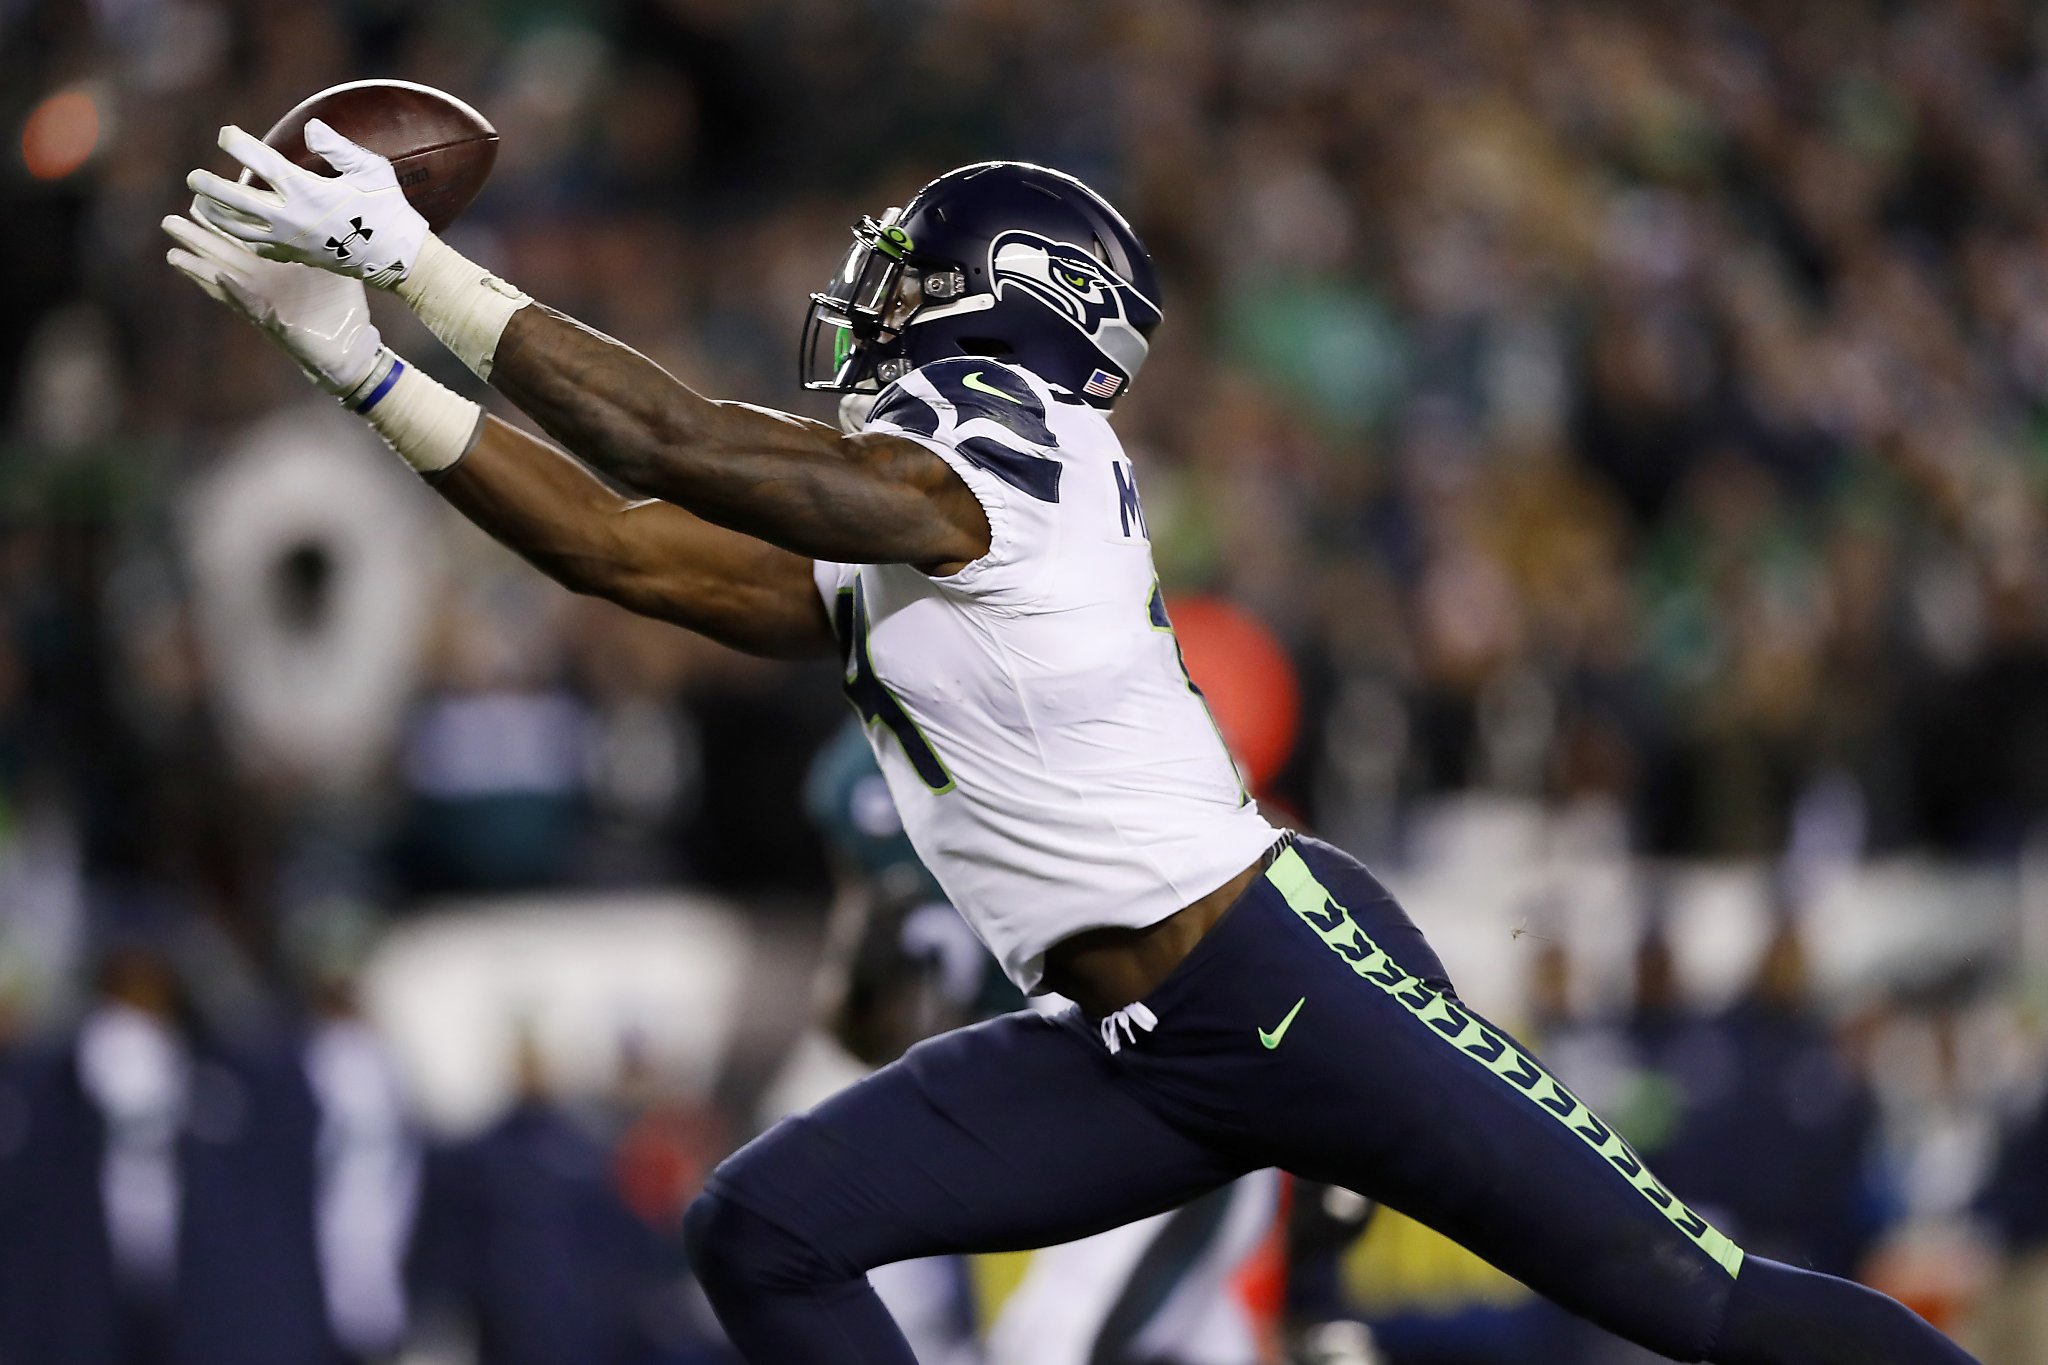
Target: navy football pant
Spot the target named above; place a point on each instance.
(1312, 1029)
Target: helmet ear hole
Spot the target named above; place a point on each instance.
(988, 346)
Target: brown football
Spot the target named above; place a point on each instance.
(441, 148)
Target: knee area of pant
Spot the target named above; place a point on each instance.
(731, 1246)
(1782, 1315)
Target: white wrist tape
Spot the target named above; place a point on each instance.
(462, 303)
(429, 426)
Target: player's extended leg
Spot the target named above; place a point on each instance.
(1013, 1134)
(1317, 1004)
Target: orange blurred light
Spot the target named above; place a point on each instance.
(1247, 679)
(60, 135)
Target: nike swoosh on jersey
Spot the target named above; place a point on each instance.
(974, 381)
(1272, 1040)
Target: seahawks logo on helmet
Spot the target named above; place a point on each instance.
(1079, 288)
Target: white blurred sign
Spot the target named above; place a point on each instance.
(456, 991)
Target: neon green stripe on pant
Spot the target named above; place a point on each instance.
(1486, 1047)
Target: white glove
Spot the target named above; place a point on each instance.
(320, 320)
(357, 223)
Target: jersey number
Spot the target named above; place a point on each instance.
(875, 702)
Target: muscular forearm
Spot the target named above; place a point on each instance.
(619, 410)
(650, 557)
(794, 482)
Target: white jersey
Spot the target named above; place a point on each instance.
(1053, 764)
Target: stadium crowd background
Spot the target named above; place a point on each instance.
(1634, 412)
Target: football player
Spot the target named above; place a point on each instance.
(976, 555)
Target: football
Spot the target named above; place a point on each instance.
(441, 148)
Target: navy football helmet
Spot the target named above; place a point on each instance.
(1001, 259)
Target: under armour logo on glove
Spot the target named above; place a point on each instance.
(339, 245)
(355, 223)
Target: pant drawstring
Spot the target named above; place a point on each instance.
(1129, 1020)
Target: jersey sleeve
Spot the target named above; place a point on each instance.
(987, 420)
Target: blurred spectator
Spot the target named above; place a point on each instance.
(493, 761)
(168, 1176)
(99, 1175)
(1768, 1078)
(367, 1151)
(2014, 1321)
(2016, 1199)
(663, 1147)
(526, 1241)
(1668, 1039)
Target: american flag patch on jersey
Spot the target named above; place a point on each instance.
(1102, 384)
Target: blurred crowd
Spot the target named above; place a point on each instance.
(177, 1188)
(1640, 409)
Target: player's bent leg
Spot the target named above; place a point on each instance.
(1318, 1003)
(1780, 1315)
(780, 1297)
(1013, 1134)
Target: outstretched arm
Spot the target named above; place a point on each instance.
(648, 556)
(867, 498)
(863, 499)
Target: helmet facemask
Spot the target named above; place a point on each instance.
(852, 338)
